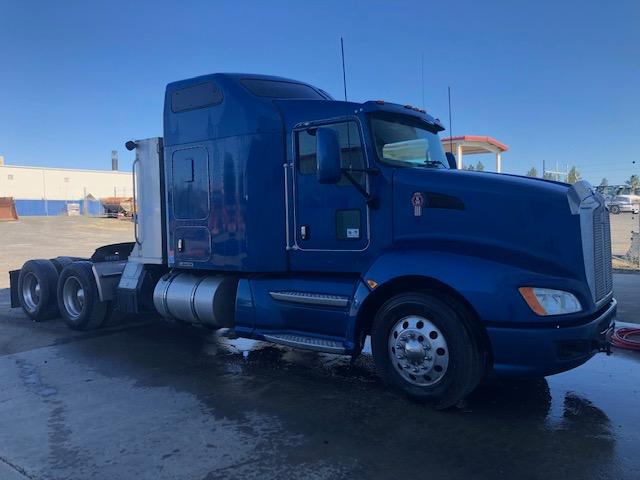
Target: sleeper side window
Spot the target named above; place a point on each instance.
(195, 96)
(350, 146)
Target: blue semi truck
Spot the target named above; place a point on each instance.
(273, 211)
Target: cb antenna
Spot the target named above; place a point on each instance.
(344, 74)
(344, 83)
(422, 78)
(450, 129)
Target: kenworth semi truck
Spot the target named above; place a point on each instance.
(273, 211)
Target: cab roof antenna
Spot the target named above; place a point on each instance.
(422, 77)
(344, 74)
(450, 128)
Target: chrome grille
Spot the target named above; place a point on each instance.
(603, 281)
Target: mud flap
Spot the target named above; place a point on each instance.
(13, 284)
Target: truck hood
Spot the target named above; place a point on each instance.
(524, 221)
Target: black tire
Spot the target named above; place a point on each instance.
(464, 365)
(78, 299)
(61, 262)
(615, 209)
(37, 285)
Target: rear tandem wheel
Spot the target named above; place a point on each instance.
(78, 298)
(37, 289)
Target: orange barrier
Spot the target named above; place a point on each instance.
(8, 209)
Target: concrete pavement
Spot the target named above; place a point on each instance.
(160, 402)
(148, 400)
(626, 288)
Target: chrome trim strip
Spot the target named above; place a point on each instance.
(165, 292)
(607, 312)
(306, 298)
(299, 341)
(134, 209)
(607, 298)
(192, 298)
(286, 167)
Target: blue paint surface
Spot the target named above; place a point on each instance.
(243, 196)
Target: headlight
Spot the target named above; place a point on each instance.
(547, 301)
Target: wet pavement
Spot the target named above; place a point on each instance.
(152, 400)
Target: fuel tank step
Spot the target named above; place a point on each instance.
(307, 298)
(307, 343)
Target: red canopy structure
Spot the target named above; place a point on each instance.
(473, 144)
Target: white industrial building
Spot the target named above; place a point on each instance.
(47, 191)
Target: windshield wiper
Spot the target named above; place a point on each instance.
(433, 163)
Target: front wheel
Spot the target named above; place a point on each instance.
(422, 346)
(615, 209)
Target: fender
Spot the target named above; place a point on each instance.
(489, 287)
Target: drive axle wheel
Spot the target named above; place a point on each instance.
(37, 289)
(78, 299)
(421, 345)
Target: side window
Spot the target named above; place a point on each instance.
(350, 145)
(196, 96)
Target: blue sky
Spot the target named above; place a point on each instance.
(554, 80)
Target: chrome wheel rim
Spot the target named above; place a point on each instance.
(418, 351)
(73, 297)
(31, 294)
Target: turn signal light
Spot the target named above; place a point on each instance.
(549, 301)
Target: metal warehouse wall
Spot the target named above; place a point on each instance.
(47, 191)
(34, 183)
(26, 208)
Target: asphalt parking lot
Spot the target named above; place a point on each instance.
(150, 400)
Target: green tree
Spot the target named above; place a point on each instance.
(573, 176)
(634, 182)
(480, 166)
(604, 182)
(532, 172)
(549, 176)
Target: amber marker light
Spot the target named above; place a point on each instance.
(531, 299)
(549, 301)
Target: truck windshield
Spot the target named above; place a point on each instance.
(405, 142)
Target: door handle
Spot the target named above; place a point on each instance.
(304, 232)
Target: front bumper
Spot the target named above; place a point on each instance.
(545, 351)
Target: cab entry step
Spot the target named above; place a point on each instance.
(308, 343)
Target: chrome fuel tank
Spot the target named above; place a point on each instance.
(206, 300)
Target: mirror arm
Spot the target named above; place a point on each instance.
(370, 199)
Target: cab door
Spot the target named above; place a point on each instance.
(330, 222)
(190, 206)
